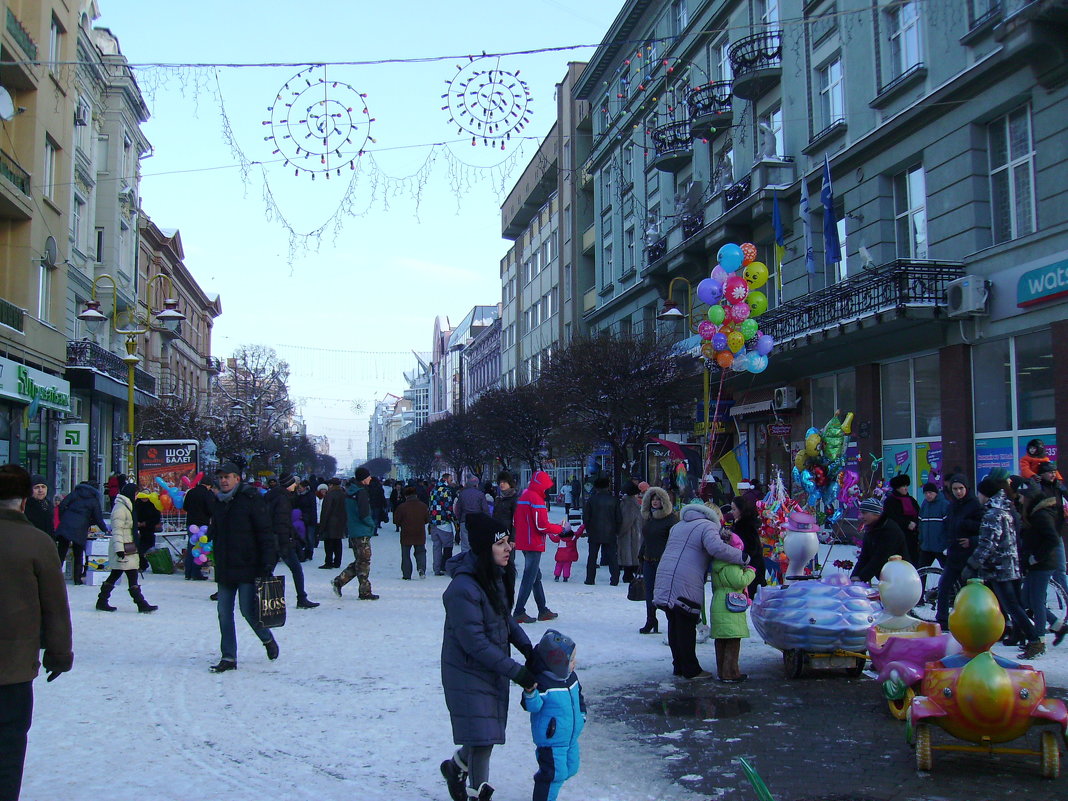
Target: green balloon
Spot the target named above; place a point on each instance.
(749, 328)
(758, 302)
(717, 314)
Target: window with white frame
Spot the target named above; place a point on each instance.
(910, 213)
(77, 216)
(628, 247)
(606, 186)
(770, 124)
(99, 245)
(680, 15)
(609, 266)
(103, 155)
(832, 93)
(623, 87)
(44, 293)
(904, 36)
(55, 44)
(567, 282)
(769, 12)
(49, 186)
(1012, 175)
(723, 60)
(628, 163)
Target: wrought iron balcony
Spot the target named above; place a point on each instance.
(213, 364)
(757, 63)
(86, 354)
(710, 108)
(736, 193)
(21, 35)
(10, 169)
(894, 287)
(11, 315)
(656, 251)
(673, 146)
(692, 224)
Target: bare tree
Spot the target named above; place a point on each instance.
(516, 423)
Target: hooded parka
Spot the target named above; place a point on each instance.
(692, 545)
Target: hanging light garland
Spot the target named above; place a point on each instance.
(489, 104)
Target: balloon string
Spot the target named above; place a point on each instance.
(711, 433)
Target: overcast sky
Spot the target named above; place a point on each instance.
(406, 250)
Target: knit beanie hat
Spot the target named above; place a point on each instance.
(871, 505)
(361, 473)
(989, 487)
(930, 486)
(483, 531)
(555, 650)
(36, 479)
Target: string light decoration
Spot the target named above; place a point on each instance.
(317, 125)
(489, 104)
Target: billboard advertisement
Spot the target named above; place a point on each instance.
(167, 467)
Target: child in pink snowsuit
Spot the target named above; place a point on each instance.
(566, 553)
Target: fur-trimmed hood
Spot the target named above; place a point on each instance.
(665, 504)
(695, 511)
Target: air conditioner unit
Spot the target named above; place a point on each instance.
(81, 116)
(785, 398)
(967, 296)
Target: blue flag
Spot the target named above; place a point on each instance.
(780, 238)
(832, 247)
(806, 224)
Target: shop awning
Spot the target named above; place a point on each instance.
(750, 408)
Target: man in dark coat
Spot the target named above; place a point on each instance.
(33, 616)
(376, 495)
(39, 508)
(199, 502)
(280, 504)
(962, 531)
(504, 506)
(476, 664)
(245, 549)
(412, 517)
(882, 539)
(602, 517)
(333, 524)
(77, 512)
(306, 503)
(470, 500)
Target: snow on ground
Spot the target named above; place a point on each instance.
(352, 708)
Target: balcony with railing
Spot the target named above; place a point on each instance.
(710, 109)
(21, 36)
(736, 193)
(672, 146)
(656, 251)
(757, 63)
(15, 201)
(213, 364)
(88, 355)
(11, 315)
(18, 51)
(895, 288)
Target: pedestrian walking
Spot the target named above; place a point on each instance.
(442, 520)
(729, 626)
(557, 714)
(333, 524)
(531, 526)
(199, 502)
(115, 482)
(658, 517)
(602, 518)
(280, 505)
(504, 503)
(903, 509)
(961, 529)
(40, 510)
(629, 537)
(476, 662)
(680, 578)
(376, 495)
(566, 552)
(883, 538)
(470, 500)
(245, 549)
(934, 539)
(362, 526)
(412, 517)
(1039, 542)
(123, 553)
(567, 494)
(307, 504)
(82, 508)
(396, 498)
(34, 616)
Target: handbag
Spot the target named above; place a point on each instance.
(271, 601)
(636, 589)
(737, 601)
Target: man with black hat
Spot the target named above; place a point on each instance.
(333, 524)
(882, 539)
(280, 503)
(361, 527)
(199, 502)
(39, 508)
(245, 549)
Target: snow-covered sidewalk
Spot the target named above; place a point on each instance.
(352, 708)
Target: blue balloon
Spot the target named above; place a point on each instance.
(710, 291)
(730, 257)
(194, 539)
(758, 363)
(719, 341)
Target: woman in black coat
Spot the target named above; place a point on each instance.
(962, 530)
(476, 665)
(904, 510)
(747, 527)
(658, 517)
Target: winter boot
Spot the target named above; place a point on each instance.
(76, 568)
(483, 793)
(341, 579)
(139, 599)
(651, 626)
(102, 599)
(455, 773)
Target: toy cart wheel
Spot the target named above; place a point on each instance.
(1051, 756)
(900, 708)
(858, 668)
(923, 747)
(793, 663)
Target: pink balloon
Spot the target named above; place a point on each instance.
(201, 559)
(735, 289)
(719, 274)
(739, 312)
(706, 329)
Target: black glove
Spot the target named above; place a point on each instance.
(525, 679)
(53, 675)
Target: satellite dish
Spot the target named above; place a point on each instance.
(7, 106)
(51, 252)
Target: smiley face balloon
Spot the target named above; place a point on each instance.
(755, 274)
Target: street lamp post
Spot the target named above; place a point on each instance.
(169, 317)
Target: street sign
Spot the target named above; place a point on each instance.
(779, 429)
(73, 438)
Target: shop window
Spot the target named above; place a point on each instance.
(831, 393)
(992, 386)
(1034, 380)
(927, 396)
(896, 400)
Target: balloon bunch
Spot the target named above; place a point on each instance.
(170, 497)
(819, 466)
(187, 483)
(732, 335)
(201, 546)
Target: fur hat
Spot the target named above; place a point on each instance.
(483, 531)
(555, 650)
(287, 480)
(871, 506)
(900, 480)
(322, 488)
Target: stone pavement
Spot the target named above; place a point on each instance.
(825, 737)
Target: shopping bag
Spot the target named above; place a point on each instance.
(271, 601)
(636, 590)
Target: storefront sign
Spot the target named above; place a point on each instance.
(929, 462)
(73, 438)
(162, 464)
(991, 453)
(1042, 284)
(26, 385)
(897, 460)
(780, 429)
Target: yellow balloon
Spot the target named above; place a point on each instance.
(756, 274)
(812, 444)
(801, 459)
(735, 341)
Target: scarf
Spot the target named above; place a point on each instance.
(226, 497)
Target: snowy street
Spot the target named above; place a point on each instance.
(353, 707)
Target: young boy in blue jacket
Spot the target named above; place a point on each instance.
(557, 713)
(934, 539)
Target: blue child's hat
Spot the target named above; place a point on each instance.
(555, 650)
